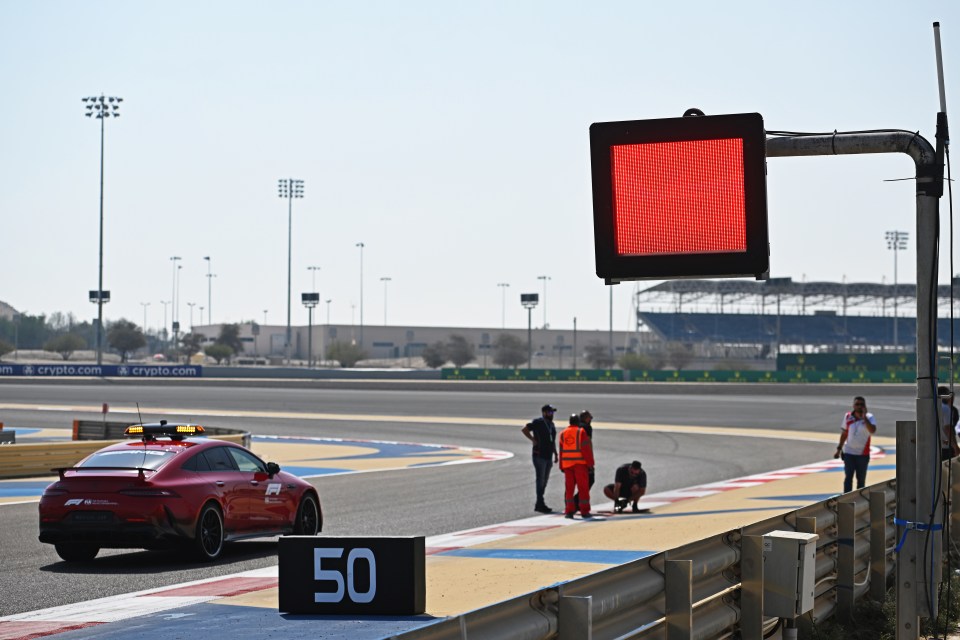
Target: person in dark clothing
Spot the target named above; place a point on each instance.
(629, 484)
(543, 434)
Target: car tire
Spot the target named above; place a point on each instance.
(77, 552)
(208, 543)
(308, 517)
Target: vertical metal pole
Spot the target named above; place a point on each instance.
(678, 584)
(575, 618)
(908, 620)
(751, 586)
(955, 503)
(878, 545)
(529, 337)
(289, 265)
(361, 245)
(310, 338)
(928, 404)
(100, 267)
(574, 344)
(611, 322)
(896, 314)
(846, 556)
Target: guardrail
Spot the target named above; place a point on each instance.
(855, 556)
(38, 459)
(103, 430)
(691, 375)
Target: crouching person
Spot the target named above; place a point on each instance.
(629, 485)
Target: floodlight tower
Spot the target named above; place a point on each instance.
(289, 188)
(897, 242)
(101, 107)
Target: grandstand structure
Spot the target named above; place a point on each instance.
(748, 318)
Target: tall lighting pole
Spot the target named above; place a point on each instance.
(174, 325)
(529, 301)
(897, 241)
(503, 304)
(544, 278)
(385, 280)
(361, 245)
(289, 189)
(144, 305)
(101, 107)
(165, 303)
(210, 278)
(313, 277)
(191, 305)
(310, 300)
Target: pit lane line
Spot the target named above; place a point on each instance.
(728, 431)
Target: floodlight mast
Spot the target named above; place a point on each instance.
(918, 565)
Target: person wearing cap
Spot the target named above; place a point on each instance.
(629, 484)
(576, 457)
(948, 436)
(854, 447)
(543, 434)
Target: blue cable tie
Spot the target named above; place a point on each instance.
(913, 526)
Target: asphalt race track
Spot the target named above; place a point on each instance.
(421, 501)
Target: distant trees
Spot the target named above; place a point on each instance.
(230, 336)
(219, 352)
(434, 355)
(65, 344)
(459, 351)
(598, 355)
(190, 344)
(509, 350)
(5, 348)
(679, 355)
(125, 337)
(347, 354)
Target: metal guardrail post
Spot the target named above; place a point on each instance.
(678, 584)
(846, 557)
(751, 586)
(908, 619)
(955, 502)
(575, 618)
(806, 524)
(878, 545)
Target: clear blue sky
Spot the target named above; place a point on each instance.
(450, 138)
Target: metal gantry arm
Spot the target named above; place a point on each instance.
(918, 567)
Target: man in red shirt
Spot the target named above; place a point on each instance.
(576, 459)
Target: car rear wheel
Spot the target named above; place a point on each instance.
(308, 517)
(77, 552)
(209, 539)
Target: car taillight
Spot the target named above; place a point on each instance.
(56, 489)
(150, 493)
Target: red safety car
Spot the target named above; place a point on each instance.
(168, 489)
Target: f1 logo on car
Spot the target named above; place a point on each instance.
(273, 489)
(72, 502)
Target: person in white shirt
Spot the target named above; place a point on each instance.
(855, 431)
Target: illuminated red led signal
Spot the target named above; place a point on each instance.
(682, 197)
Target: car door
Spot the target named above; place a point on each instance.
(263, 498)
(233, 487)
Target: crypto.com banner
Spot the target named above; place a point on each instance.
(105, 370)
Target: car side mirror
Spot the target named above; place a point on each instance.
(273, 468)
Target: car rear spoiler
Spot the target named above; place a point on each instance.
(140, 470)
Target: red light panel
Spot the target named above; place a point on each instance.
(679, 197)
